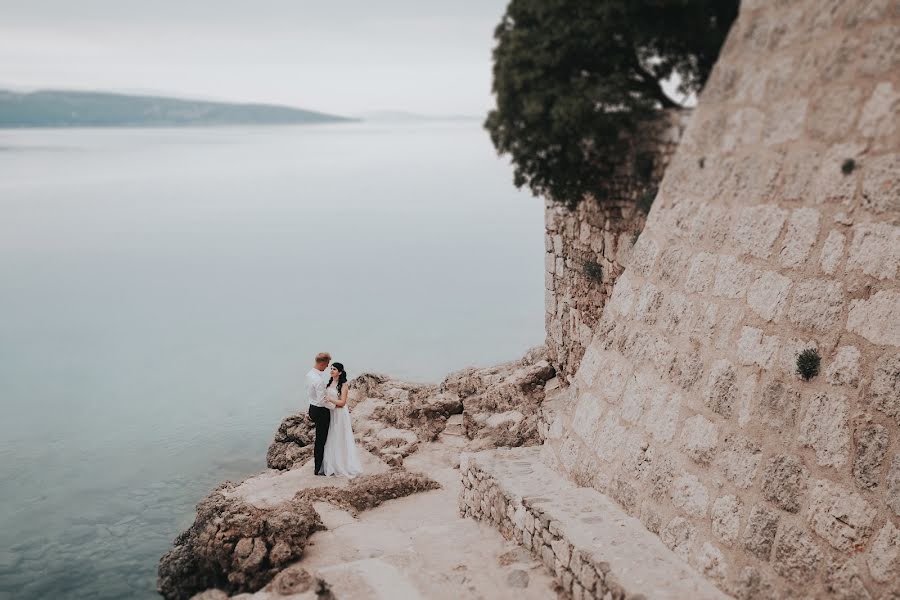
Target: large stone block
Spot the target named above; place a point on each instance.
(878, 119)
(875, 250)
(726, 518)
(797, 555)
(876, 318)
(832, 252)
(768, 295)
(733, 277)
(754, 348)
(778, 404)
(880, 185)
(884, 556)
(844, 369)
(784, 482)
(759, 534)
(690, 495)
(757, 228)
(844, 519)
(871, 442)
(826, 429)
(699, 438)
(740, 461)
(817, 304)
(679, 535)
(802, 231)
(721, 388)
(884, 392)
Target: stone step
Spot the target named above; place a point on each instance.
(594, 549)
(455, 425)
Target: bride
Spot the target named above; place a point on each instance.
(340, 450)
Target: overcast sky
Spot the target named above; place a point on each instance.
(339, 56)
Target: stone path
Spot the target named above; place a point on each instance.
(417, 546)
(594, 548)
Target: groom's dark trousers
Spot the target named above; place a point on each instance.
(321, 416)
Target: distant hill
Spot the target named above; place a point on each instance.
(55, 108)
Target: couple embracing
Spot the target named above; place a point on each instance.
(335, 450)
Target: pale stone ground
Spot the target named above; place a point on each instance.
(412, 547)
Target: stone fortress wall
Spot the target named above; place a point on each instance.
(776, 229)
(588, 245)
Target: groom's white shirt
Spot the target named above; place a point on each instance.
(315, 387)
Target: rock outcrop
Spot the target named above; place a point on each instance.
(293, 444)
(501, 404)
(235, 546)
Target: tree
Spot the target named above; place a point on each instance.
(574, 78)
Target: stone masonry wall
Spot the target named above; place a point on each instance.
(588, 246)
(776, 228)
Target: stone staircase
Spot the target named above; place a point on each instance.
(591, 546)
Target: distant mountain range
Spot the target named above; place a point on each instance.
(57, 108)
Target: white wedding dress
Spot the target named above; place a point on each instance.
(340, 450)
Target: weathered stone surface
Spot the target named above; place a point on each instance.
(778, 405)
(784, 482)
(754, 348)
(701, 273)
(843, 518)
(871, 444)
(803, 228)
(711, 562)
(844, 369)
(756, 229)
(892, 482)
(884, 392)
(690, 495)
(759, 533)
(679, 535)
(234, 546)
(740, 461)
(515, 387)
(721, 388)
(876, 318)
(843, 580)
(884, 556)
(768, 295)
(752, 584)
(880, 186)
(292, 445)
(699, 438)
(726, 518)
(797, 555)
(875, 250)
(825, 428)
(817, 304)
(832, 252)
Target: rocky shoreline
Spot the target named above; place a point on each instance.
(250, 537)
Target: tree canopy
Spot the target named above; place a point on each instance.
(574, 78)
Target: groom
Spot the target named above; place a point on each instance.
(320, 415)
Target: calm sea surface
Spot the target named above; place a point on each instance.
(162, 292)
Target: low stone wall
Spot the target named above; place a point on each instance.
(588, 245)
(590, 545)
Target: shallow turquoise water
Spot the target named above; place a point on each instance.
(162, 292)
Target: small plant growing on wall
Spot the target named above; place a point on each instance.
(593, 270)
(808, 363)
(848, 166)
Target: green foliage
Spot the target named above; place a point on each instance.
(574, 78)
(848, 166)
(808, 363)
(593, 270)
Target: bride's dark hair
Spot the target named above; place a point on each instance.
(342, 378)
